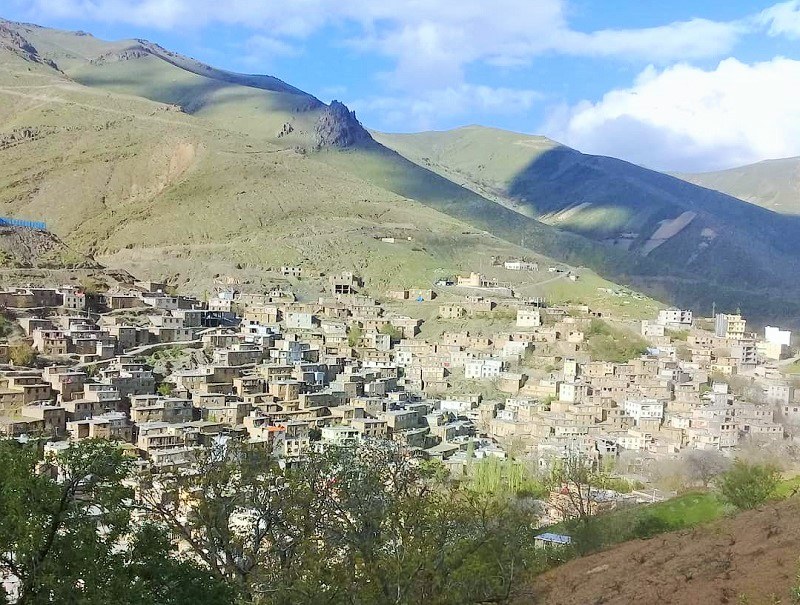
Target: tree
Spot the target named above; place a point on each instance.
(394, 333)
(575, 479)
(705, 465)
(357, 525)
(64, 526)
(747, 486)
(22, 354)
(354, 335)
(165, 389)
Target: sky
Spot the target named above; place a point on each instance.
(684, 86)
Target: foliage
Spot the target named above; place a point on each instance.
(22, 354)
(702, 466)
(63, 524)
(606, 343)
(395, 333)
(678, 335)
(92, 286)
(6, 325)
(354, 334)
(357, 525)
(649, 525)
(165, 389)
(747, 486)
(498, 477)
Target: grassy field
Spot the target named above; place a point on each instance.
(688, 510)
(646, 520)
(793, 368)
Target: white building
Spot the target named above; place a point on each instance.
(457, 407)
(777, 336)
(520, 265)
(644, 409)
(296, 320)
(675, 318)
(652, 329)
(483, 369)
(529, 318)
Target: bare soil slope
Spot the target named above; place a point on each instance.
(751, 558)
(21, 247)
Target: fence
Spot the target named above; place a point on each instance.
(15, 222)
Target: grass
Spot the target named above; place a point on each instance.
(642, 521)
(164, 194)
(607, 343)
(793, 368)
(688, 510)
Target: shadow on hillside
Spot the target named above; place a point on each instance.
(732, 252)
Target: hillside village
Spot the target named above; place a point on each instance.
(166, 374)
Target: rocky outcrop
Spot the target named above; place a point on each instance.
(338, 128)
(13, 41)
(132, 52)
(22, 247)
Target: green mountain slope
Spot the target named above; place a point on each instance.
(773, 184)
(215, 193)
(155, 162)
(703, 246)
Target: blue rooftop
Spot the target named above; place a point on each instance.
(554, 538)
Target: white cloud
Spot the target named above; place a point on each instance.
(431, 41)
(260, 50)
(782, 19)
(424, 112)
(693, 39)
(688, 119)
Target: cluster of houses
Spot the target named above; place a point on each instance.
(676, 396)
(299, 374)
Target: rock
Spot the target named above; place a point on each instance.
(338, 128)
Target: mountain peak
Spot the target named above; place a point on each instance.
(339, 128)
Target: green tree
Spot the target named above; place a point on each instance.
(65, 522)
(354, 335)
(165, 389)
(22, 354)
(747, 486)
(361, 525)
(394, 333)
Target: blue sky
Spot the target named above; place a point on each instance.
(681, 85)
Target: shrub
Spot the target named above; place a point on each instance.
(648, 526)
(22, 354)
(747, 486)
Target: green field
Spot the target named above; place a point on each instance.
(688, 510)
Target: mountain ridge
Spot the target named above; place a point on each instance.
(773, 184)
(285, 144)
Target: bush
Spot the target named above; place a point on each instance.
(648, 526)
(22, 354)
(747, 486)
(606, 343)
(354, 336)
(394, 333)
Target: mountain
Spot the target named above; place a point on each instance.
(773, 184)
(748, 558)
(155, 163)
(159, 164)
(703, 246)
